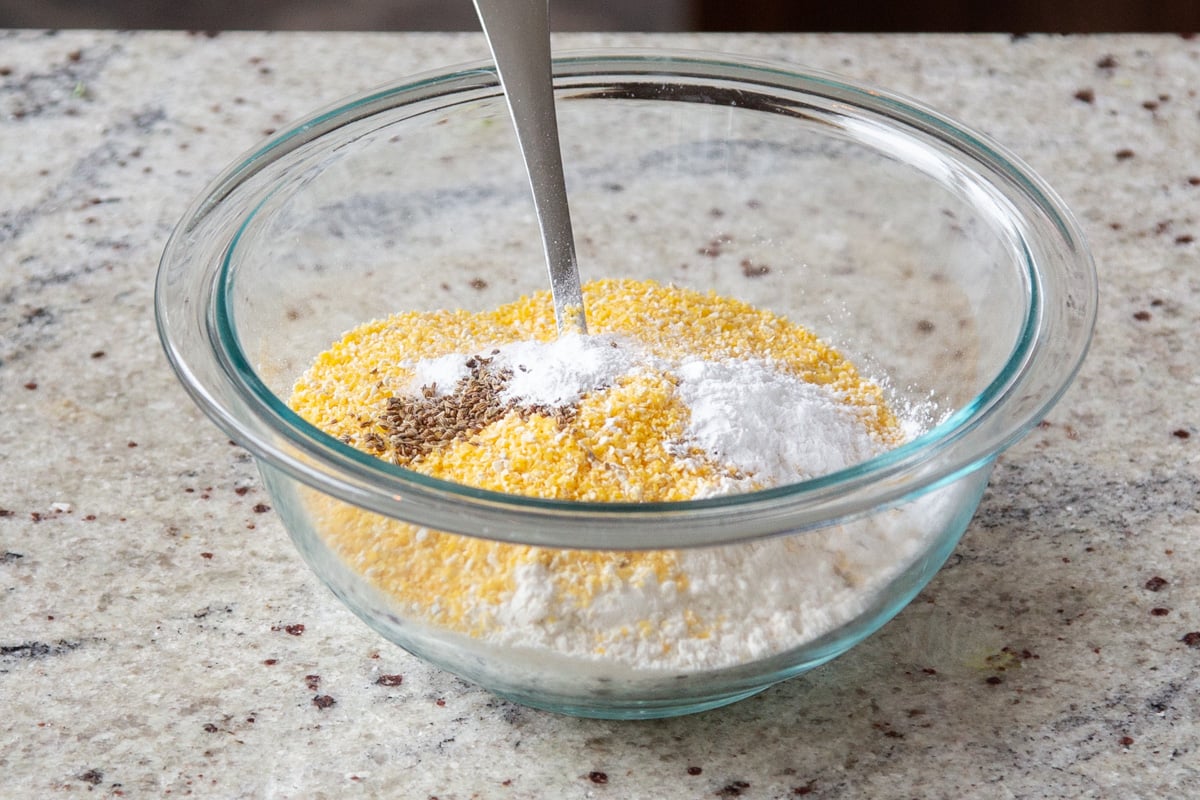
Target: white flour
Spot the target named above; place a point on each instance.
(721, 606)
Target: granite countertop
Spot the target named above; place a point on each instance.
(160, 636)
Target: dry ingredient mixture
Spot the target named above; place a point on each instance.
(674, 395)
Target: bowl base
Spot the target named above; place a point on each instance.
(633, 709)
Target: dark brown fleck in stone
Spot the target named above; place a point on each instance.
(715, 245)
(733, 789)
(752, 270)
(1156, 584)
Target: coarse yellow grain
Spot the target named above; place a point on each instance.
(617, 446)
(459, 582)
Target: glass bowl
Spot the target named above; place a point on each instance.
(924, 252)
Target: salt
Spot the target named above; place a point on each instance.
(557, 373)
(440, 374)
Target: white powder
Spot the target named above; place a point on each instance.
(558, 373)
(440, 374)
(774, 426)
(737, 603)
(742, 603)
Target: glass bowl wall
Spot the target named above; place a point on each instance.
(924, 252)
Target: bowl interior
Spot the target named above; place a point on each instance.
(932, 259)
(885, 241)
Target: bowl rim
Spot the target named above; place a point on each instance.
(969, 438)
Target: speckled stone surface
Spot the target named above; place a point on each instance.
(160, 637)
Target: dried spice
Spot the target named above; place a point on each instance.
(413, 425)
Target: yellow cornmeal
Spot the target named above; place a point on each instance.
(614, 448)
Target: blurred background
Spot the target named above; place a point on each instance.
(1012, 16)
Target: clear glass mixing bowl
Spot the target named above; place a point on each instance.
(922, 250)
